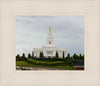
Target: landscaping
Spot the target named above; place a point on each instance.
(48, 63)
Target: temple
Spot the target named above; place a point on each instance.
(49, 50)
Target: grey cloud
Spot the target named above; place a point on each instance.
(67, 30)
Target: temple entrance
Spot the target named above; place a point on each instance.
(49, 56)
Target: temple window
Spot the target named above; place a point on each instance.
(49, 52)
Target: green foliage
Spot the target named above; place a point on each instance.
(18, 57)
(81, 57)
(48, 59)
(22, 63)
(29, 56)
(41, 55)
(54, 62)
(26, 64)
(23, 55)
(75, 57)
(63, 55)
(32, 54)
(68, 56)
(21, 58)
(57, 54)
(78, 57)
(36, 62)
(70, 62)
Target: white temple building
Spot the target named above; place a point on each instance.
(49, 50)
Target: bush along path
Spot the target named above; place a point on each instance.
(47, 63)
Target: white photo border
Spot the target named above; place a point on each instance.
(88, 9)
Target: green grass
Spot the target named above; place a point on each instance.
(44, 64)
(36, 62)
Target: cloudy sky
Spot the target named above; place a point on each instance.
(67, 31)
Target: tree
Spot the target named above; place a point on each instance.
(29, 56)
(57, 54)
(80, 56)
(75, 56)
(41, 55)
(68, 56)
(18, 57)
(63, 55)
(83, 57)
(23, 57)
(32, 54)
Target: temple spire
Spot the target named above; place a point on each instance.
(49, 29)
(50, 38)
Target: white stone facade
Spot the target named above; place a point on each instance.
(49, 50)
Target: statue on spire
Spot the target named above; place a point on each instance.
(49, 29)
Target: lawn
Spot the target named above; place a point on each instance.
(61, 65)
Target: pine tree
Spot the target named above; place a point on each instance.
(32, 54)
(18, 57)
(63, 55)
(41, 55)
(57, 54)
(23, 55)
(29, 56)
(68, 56)
(83, 57)
(75, 56)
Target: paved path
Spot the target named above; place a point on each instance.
(35, 68)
